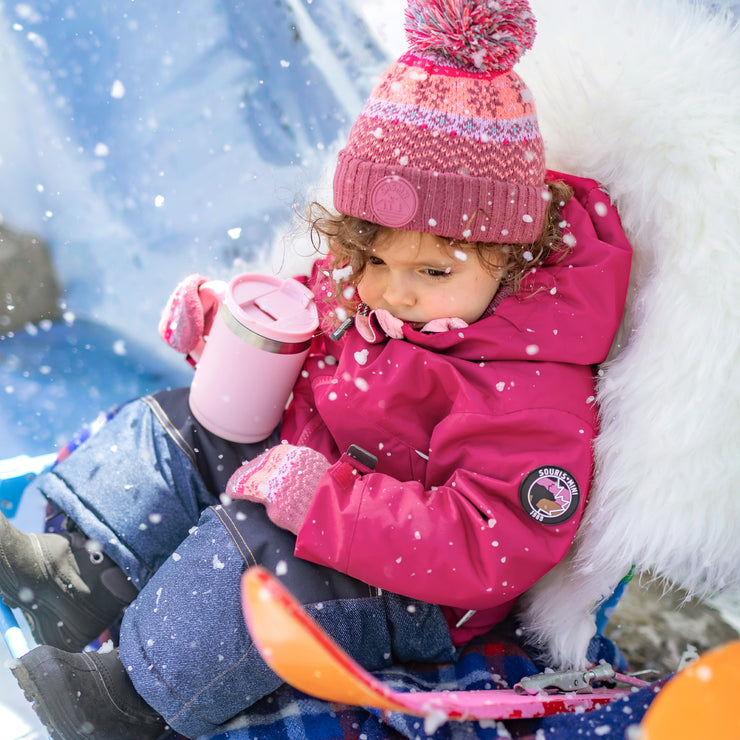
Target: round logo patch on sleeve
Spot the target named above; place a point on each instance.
(549, 495)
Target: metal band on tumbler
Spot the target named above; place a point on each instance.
(257, 340)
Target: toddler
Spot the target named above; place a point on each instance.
(435, 459)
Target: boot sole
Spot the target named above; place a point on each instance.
(53, 711)
(60, 693)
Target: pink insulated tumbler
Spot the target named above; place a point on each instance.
(251, 358)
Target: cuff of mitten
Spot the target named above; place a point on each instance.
(335, 508)
(351, 464)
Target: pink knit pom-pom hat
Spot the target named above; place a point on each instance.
(448, 142)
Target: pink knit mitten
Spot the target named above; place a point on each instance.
(188, 315)
(283, 479)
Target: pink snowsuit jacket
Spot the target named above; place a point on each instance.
(463, 423)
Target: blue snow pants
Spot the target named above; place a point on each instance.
(146, 486)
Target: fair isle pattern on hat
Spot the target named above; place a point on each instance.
(448, 142)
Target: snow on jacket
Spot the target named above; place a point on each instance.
(483, 435)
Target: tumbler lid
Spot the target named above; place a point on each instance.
(279, 309)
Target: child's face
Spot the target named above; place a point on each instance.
(419, 277)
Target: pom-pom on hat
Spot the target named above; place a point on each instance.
(448, 142)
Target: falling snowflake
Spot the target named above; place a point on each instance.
(117, 90)
(341, 274)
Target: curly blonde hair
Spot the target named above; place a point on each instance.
(350, 242)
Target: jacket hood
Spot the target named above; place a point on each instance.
(568, 312)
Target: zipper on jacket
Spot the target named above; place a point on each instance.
(465, 617)
(363, 309)
(338, 333)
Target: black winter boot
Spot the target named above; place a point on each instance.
(67, 589)
(85, 696)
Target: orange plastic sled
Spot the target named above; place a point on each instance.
(699, 701)
(303, 655)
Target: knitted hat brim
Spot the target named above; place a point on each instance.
(474, 209)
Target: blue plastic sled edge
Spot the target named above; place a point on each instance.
(15, 474)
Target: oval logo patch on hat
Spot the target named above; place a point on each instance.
(549, 495)
(394, 201)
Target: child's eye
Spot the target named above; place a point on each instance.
(434, 272)
(373, 260)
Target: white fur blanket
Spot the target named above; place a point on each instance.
(644, 96)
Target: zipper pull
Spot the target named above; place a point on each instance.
(338, 333)
(465, 617)
(363, 309)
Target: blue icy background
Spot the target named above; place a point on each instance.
(144, 141)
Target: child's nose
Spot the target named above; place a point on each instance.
(398, 292)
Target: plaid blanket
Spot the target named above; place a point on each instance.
(485, 663)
